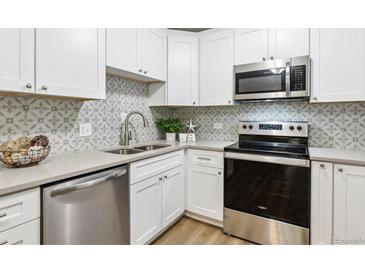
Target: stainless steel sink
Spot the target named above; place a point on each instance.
(150, 147)
(125, 151)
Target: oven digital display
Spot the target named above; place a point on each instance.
(270, 126)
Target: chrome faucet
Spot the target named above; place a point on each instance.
(127, 134)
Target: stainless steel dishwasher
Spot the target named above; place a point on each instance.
(93, 209)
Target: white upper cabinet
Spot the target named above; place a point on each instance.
(17, 60)
(338, 65)
(183, 68)
(216, 67)
(153, 53)
(284, 43)
(349, 204)
(70, 62)
(256, 45)
(250, 46)
(140, 54)
(122, 49)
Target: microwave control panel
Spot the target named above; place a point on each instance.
(298, 78)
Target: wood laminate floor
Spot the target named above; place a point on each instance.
(188, 231)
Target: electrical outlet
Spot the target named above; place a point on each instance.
(217, 125)
(123, 116)
(85, 130)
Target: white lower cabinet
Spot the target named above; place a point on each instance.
(321, 203)
(205, 191)
(145, 210)
(172, 194)
(25, 234)
(158, 200)
(349, 205)
(337, 204)
(19, 218)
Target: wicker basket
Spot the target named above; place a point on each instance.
(24, 157)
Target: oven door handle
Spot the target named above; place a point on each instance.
(268, 159)
(287, 78)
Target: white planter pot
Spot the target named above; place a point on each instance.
(183, 137)
(170, 136)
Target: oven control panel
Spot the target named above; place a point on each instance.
(295, 129)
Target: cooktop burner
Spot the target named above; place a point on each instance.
(289, 139)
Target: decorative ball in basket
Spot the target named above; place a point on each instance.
(24, 151)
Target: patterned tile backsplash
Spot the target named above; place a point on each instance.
(59, 119)
(331, 125)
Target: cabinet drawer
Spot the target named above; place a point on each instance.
(18, 208)
(25, 234)
(147, 168)
(205, 158)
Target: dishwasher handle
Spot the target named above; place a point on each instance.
(72, 188)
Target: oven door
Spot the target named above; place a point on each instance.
(272, 187)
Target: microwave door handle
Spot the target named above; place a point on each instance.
(287, 79)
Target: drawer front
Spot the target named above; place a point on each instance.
(147, 168)
(25, 234)
(19, 208)
(206, 158)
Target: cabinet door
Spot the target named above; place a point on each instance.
(152, 44)
(338, 64)
(216, 67)
(71, 62)
(205, 191)
(145, 202)
(25, 234)
(250, 46)
(122, 49)
(172, 191)
(284, 43)
(17, 60)
(183, 69)
(349, 204)
(321, 203)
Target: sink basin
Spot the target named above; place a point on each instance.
(125, 151)
(150, 147)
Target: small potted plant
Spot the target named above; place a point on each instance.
(170, 126)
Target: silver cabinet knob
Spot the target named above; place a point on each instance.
(160, 178)
(145, 72)
(271, 57)
(28, 85)
(340, 170)
(140, 70)
(219, 173)
(44, 87)
(315, 98)
(194, 103)
(229, 101)
(165, 176)
(263, 59)
(321, 165)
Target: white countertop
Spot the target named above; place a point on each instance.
(71, 164)
(339, 156)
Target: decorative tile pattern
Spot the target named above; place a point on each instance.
(59, 119)
(331, 125)
(339, 125)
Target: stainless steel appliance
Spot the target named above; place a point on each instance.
(267, 183)
(92, 209)
(276, 79)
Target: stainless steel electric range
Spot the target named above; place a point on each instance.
(267, 183)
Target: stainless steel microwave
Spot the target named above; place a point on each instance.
(276, 79)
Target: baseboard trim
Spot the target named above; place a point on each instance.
(204, 219)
